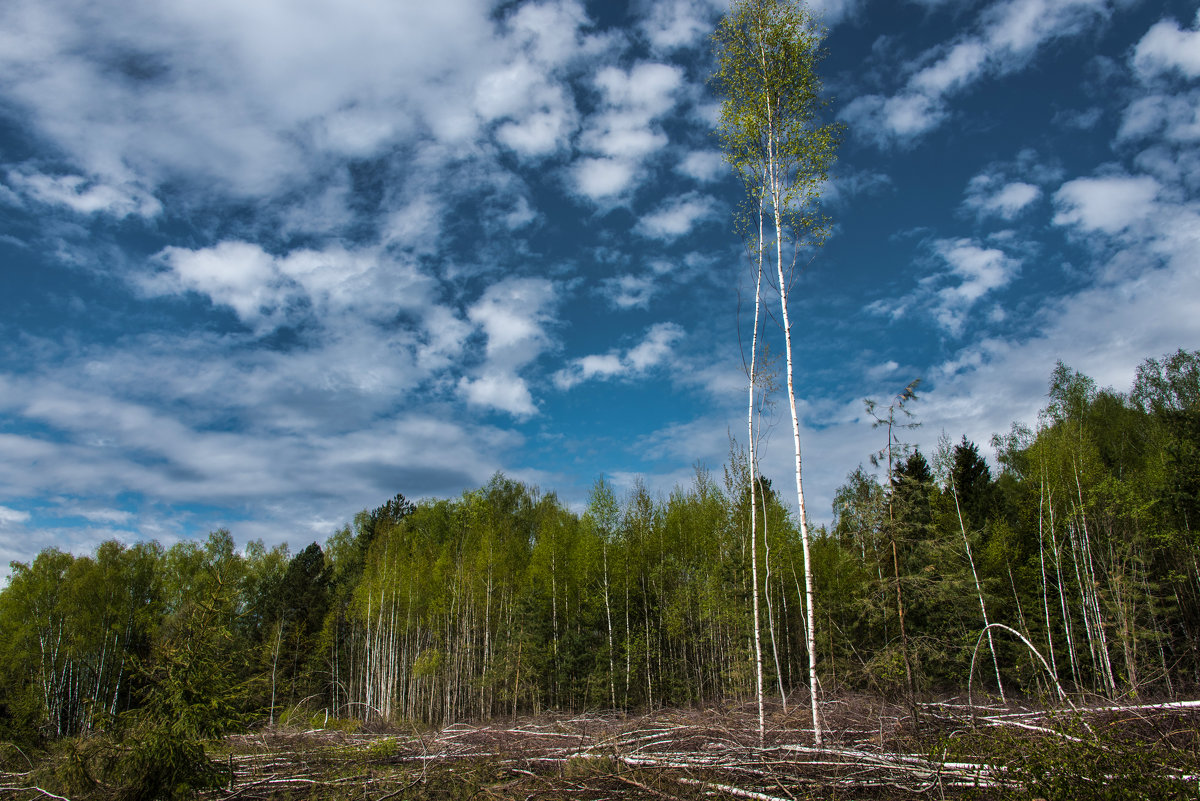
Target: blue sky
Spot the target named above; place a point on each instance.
(266, 264)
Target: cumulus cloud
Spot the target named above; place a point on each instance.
(1175, 117)
(834, 12)
(1109, 204)
(266, 290)
(1167, 48)
(9, 517)
(600, 178)
(217, 96)
(988, 194)
(676, 24)
(500, 390)
(703, 165)
(84, 196)
(654, 349)
(676, 217)
(512, 315)
(538, 114)
(968, 272)
(527, 96)
(630, 291)
(1163, 108)
(961, 65)
(978, 271)
(623, 133)
(1009, 32)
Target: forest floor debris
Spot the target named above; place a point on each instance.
(874, 750)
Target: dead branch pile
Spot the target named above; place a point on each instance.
(874, 750)
(877, 750)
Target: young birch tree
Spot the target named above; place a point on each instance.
(767, 52)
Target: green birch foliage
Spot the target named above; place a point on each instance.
(770, 128)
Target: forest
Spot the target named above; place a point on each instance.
(1025, 627)
(1072, 567)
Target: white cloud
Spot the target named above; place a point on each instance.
(675, 24)
(539, 115)
(989, 385)
(630, 291)
(880, 371)
(960, 66)
(603, 178)
(951, 295)
(834, 12)
(599, 366)
(86, 197)
(978, 270)
(1108, 204)
(551, 32)
(1175, 117)
(180, 421)
(98, 514)
(1166, 48)
(987, 194)
(512, 315)
(504, 391)
(1014, 29)
(415, 225)
(224, 94)
(654, 349)
(623, 133)
(901, 118)
(704, 165)
(1008, 34)
(10, 517)
(239, 275)
(676, 217)
(265, 291)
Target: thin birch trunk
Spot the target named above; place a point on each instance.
(770, 607)
(978, 590)
(1042, 564)
(809, 629)
(753, 466)
(612, 681)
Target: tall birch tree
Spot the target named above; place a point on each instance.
(767, 53)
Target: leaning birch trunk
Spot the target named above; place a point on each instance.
(1042, 563)
(978, 590)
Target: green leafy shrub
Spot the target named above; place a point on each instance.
(158, 762)
(1077, 765)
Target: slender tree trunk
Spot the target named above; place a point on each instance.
(274, 664)
(612, 681)
(753, 468)
(770, 606)
(1042, 564)
(810, 626)
(978, 591)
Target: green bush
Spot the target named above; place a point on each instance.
(1078, 765)
(160, 763)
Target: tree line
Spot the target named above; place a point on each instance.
(1078, 559)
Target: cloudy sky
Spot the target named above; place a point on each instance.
(266, 264)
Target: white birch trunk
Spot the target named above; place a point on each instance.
(753, 467)
(978, 590)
